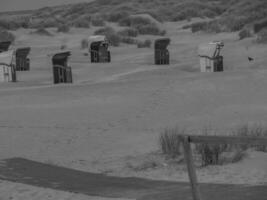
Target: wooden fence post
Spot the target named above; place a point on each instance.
(191, 168)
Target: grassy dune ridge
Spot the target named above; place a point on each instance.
(231, 15)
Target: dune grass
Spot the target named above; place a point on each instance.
(63, 28)
(120, 11)
(213, 154)
(262, 36)
(6, 36)
(244, 16)
(144, 44)
(170, 143)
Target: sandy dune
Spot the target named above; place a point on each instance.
(117, 110)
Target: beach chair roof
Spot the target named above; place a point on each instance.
(23, 52)
(61, 56)
(162, 43)
(210, 50)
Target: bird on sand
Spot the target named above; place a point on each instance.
(250, 59)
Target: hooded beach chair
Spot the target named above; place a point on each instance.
(210, 58)
(98, 48)
(22, 60)
(162, 56)
(61, 71)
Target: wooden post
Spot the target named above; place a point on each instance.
(191, 168)
(211, 140)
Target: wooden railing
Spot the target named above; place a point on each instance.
(211, 140)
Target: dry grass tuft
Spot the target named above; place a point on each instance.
(170, 142)
(84, 44)
(256, 130)
(144, 44)
(213, 154)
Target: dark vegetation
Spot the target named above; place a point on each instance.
(142, 24)
(144, 44)
(80, 23)
(84, 44)
(129, 32)
(170, 143)
(245, 33)
(98, 21)
(223, 15)
(240, 15)
(63, 28)
(262, 36)
(14, 23)
(240, 11)
(128, 40)
(111, 35)
(212, 154)
(126, 36)
(6, 36)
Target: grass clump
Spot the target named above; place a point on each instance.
(111, 35)
(170, 142)
(81, 23)
(14, 23)
(134, 21)
(98, 21)
(128, 40)
(198, 26)
(63, 28)
(210, 27)
(244, 33)
(144, 44)
(143, 25)
(255, 130)
(262, 36)
(130, 32)
(150, 29)
(114, 39)
(210, 153)
(104, 31)
(117, 16)
(84, 44)
(258, 26)
(218, 154)
(6, 36)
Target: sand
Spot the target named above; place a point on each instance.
(116, 111)
(17, 191)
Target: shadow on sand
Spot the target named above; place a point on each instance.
(48, 176)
